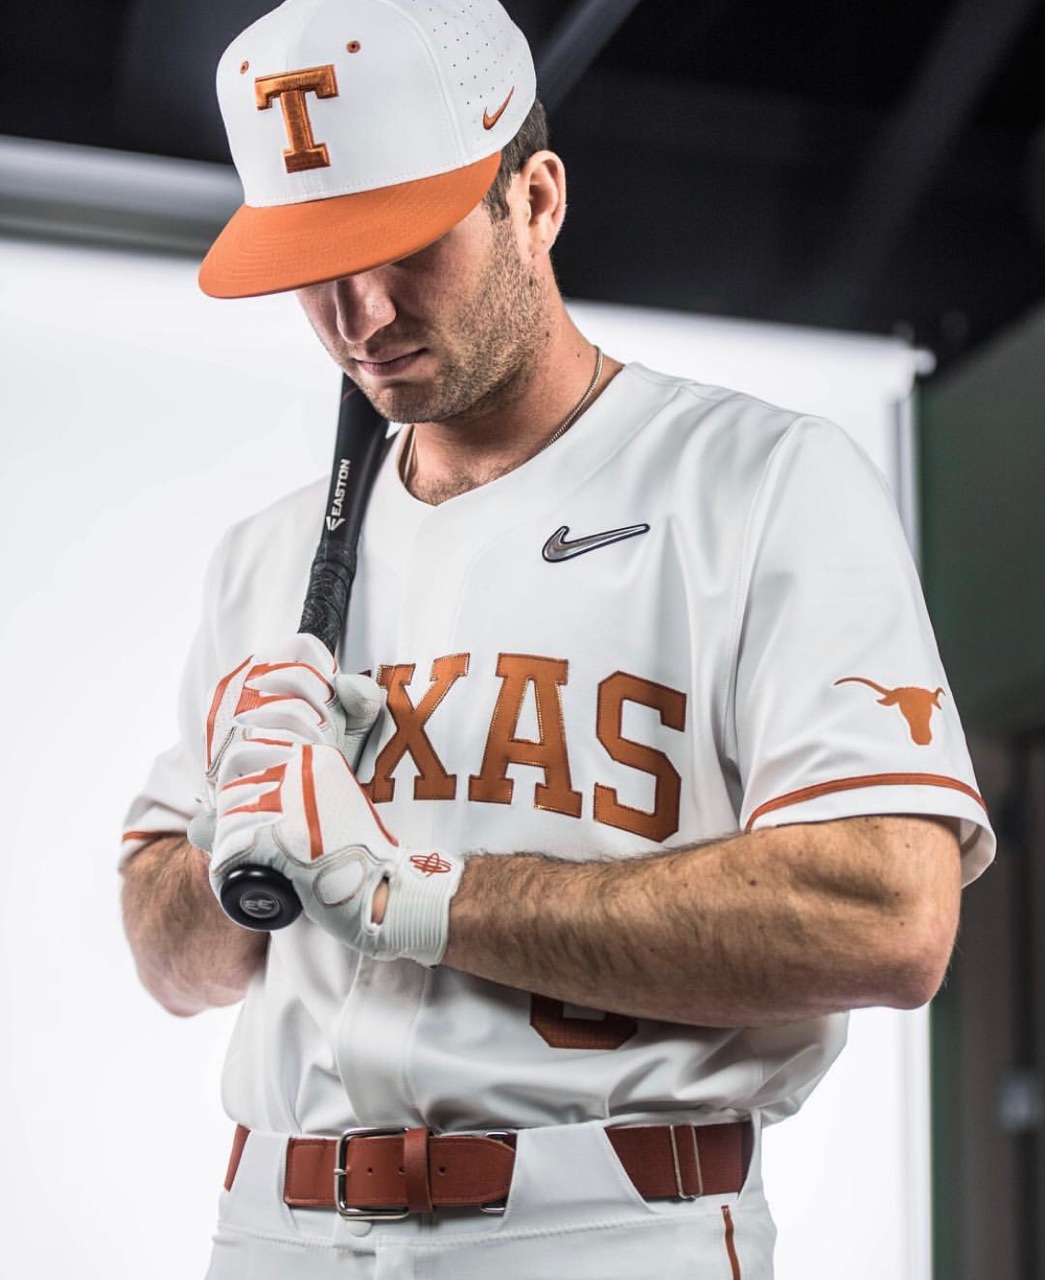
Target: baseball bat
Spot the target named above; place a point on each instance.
(259, 897)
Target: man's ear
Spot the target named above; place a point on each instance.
(538, 200)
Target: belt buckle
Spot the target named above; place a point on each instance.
(341, 1177)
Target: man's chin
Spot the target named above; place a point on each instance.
(403, 403)
(424, 399)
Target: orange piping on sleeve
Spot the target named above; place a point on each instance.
(867, 780)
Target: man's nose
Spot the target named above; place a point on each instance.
(362, 306)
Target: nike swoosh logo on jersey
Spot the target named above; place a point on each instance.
(490, 120)
(557, 548)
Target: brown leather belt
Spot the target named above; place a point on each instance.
(381, 1173)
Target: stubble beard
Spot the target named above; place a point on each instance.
(489, 348)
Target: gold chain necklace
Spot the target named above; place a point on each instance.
(406, 466)
(579, 407)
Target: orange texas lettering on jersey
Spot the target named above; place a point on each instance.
(528, 678)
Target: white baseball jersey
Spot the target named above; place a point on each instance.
(695, 614)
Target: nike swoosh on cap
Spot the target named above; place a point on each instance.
(557, 548)
(490, 120)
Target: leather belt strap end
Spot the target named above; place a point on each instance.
(415, 1171)
(239, 1141)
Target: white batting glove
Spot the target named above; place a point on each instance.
(298, 808)
(298, 695)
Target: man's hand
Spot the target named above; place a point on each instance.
(298, 808)
(299, 694)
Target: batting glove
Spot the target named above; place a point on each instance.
(301, 695)
(298, 808)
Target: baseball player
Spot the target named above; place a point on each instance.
(636, 767)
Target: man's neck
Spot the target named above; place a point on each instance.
(445, 459)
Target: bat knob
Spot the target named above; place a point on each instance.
(259, 898)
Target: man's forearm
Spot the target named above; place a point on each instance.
(190, 956)
(770, 927)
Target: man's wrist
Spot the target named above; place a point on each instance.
(380, 904)
(411, 913)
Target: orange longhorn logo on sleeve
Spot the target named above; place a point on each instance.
(916, 705)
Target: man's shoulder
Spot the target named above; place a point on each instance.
(270, 547)
(724, 427)
(295, 514)
(699, 400)
(720, 447)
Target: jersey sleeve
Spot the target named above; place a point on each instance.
(173, 788)
(841, 706)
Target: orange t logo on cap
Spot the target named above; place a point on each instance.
(290, 88)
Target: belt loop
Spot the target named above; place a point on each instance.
(680, 1189)
(680, 1180)
(415, 1167)
(696, 1159)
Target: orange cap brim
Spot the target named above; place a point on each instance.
(292, 245)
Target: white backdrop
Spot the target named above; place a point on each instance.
(139, 419)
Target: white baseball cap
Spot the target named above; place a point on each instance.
(362, 131)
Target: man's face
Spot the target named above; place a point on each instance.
(440, 333)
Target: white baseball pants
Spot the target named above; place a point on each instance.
(572, 1214)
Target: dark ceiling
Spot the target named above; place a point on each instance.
(863, 165)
